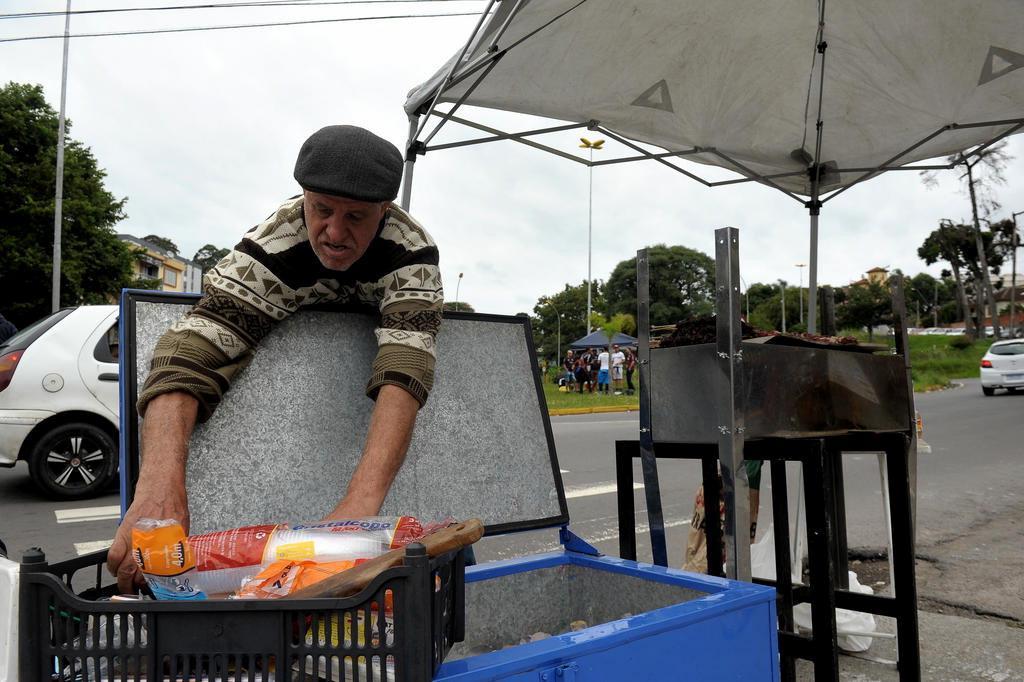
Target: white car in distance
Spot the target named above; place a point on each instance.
(1003, 367)
(59, 401)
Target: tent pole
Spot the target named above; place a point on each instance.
(812, 282)
(410, 162)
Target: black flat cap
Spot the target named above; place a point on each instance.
(349, 161)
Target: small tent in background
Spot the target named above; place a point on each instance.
(599, 339)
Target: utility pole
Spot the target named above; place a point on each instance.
(58, 201)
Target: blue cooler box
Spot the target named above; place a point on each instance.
(287, 436)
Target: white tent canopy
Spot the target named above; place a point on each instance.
(771, 91)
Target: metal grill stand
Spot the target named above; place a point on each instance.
(818, 449)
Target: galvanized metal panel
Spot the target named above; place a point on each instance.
(288, 435)
(787, 392)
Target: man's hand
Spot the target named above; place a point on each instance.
(170, 502)
(352, 508)
(387, 441)
(160, 491)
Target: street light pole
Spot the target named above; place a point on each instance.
(558, 320)
(782, 286)
(1015, 242)
(587, 144)
(802, 266)
(58, 201)
(746, 296)
(458, 284)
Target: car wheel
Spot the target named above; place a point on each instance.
(73, 461)
(1012, 390)
(988, 391)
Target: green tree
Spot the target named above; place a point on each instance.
(767, 314)
(682, 284)
(458, 307)
(96, 264)
(758, 293)
(983, 170)
(929, 295)
(163, 242)
(619, 323)
(208, 256)
(953, 244)
(571, 303)
(866, 305)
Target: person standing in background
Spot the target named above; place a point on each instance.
(630, 368)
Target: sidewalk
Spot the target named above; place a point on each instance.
(952, 648)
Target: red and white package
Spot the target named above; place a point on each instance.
(225, 559)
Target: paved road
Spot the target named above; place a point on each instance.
(972, 474)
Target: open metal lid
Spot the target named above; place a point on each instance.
(286, 438)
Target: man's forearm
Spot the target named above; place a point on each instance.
(387, 442)
(166, 430)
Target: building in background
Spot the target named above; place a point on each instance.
(874, 276)
(173, 272)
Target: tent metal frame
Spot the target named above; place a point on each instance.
(481, 66)
(817, 172)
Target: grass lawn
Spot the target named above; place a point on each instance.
(934, 362)
(557, 400)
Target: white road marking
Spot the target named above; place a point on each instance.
(640, 530)
(611, 533)
(564, 471)
(599, 489)
(88, 514)
(95, 546)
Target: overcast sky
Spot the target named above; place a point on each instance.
(200, 132)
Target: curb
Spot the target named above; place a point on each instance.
(567, 411)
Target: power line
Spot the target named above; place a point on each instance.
(225, 5)
(237, 26)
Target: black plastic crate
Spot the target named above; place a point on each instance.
(69, 636)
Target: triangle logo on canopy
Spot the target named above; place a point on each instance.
(655, 97)
(999, 62)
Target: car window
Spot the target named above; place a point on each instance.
(24, 338)
(108, 348)
(1008, 349)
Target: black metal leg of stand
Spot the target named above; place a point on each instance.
(624, 491)
(841, 555)
(896, 456)
(819, 551)
(652, 495)
(783, 565)
(712, 518)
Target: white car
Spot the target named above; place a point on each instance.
(59, 401)
(1003, 367)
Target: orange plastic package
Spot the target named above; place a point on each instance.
(163, 552)
(221, 562)
(281, 578)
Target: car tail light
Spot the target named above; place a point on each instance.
(8, 363)
(986, 363)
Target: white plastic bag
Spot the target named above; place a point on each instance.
(847, 622)
(762, 563)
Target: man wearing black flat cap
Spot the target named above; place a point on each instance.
(343, 242)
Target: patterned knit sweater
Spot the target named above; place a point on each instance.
(272, 273)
